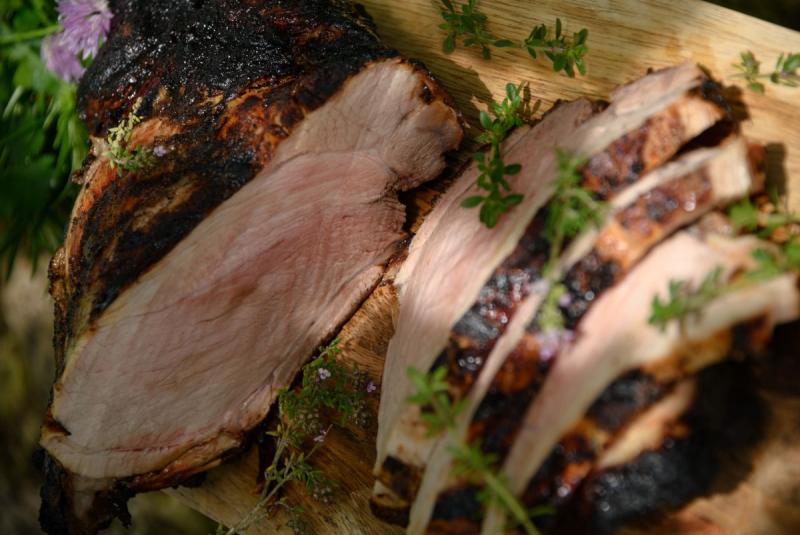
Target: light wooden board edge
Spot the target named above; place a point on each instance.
(626, 38)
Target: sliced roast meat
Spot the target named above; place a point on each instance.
(191, 289)
(462, 284)
(670, 454)
(448, 261)
(615, 338)
(683, 191)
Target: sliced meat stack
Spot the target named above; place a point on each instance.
(193, 286)
(584, 413)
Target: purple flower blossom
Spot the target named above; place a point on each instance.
(59, 59)
(86, 24)
(322, 374)
(321, 437)
(371, 387)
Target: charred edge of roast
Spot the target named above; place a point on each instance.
(585, 282)
(641, 150)
(622, 163)
(214, 161)
(571, 460)
(57, 514)
(175, 54)
(656, 209)
(404, 479)
(389, 509)
(498, 415)
(474, 335)
(726, 417)
(58, 492)
(458, 511)
(562, 473)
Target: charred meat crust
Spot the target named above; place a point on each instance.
(639, 151)
(622, 163)
(585, 282)
(726, 416)
(234, 103)
(562, 474)
(522, 374)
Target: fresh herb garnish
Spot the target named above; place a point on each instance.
(464, 21)
(572, 207)
(746, 217)
(327, 385)
(491, 166)
(119, 155)
(470, 25)
(785, 71)
(439, 414)
(685, 301)
(565, 55)
(431, 394)
(550, 317)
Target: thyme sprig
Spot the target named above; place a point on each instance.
(550, 317)
(685, 301)
(469, 24)
(565, 55)
(572, 207)
(466, 22)
(785, 71)
(492, 169)
(119, 155)
(327, 385)
(746, 217)
(439, 413)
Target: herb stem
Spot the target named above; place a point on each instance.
(511, 504)
(26, 36)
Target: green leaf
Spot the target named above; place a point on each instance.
(449, 44)
(471, 202)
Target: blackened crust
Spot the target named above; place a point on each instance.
(725, 418)
(218, 98)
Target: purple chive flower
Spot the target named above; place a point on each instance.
(86, 24)
(371, 387)
(59, 59)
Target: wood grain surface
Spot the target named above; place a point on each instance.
(761, 491)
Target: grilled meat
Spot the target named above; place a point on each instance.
(191, 289)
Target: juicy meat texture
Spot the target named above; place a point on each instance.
(683, 191)
(583, 413)
(456, 302)
(607, 347)
(190, 290)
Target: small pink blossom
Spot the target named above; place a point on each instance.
(371, 387)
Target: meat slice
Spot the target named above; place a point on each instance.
(191, 289)
(682, 191)
(608, 345)
(669, 454)
(463, 285)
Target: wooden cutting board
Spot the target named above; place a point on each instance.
(761, 491)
